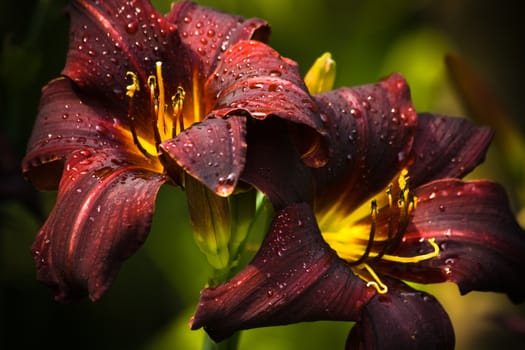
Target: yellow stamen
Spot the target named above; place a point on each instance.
(196, 98)
(417, 258)
(177, 103)
(134, 86)
(360, 239)
(374, 281)
(162, 124)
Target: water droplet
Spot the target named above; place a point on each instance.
(85, 152)
(226, 185)
(201, 51)
(255, 85)
(441, 208)
(355, 113)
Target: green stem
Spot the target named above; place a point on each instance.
(227, 344)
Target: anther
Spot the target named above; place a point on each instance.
(177, 103)
(134, 86)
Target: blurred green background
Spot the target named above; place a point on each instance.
(150, 303)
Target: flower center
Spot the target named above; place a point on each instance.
(373, 231)
(167, 115)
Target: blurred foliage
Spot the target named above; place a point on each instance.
(154, 296)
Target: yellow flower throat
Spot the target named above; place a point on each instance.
(166, 122)
(372, 231)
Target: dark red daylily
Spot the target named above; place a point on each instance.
(143, 99)
(388, 206)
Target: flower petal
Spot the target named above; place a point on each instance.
(213, 151)
(446, 147)
(209, 32)
(255, 79)
(294, 277)
(109, 38)
(481, 244)
(102, 216)
(69, 121)
(371, 129)
(274, 167)
(402, 319)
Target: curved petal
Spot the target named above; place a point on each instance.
(209, 32)
(446, 147)
(102, 216)
(294, 277)
(481, 244)
(253, 78)
(274, 167)
(213, 151)
(371, 129)
(402, 319)
(109, 38)
(69, 121)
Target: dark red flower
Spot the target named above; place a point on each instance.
(142, 100)
(388, 206)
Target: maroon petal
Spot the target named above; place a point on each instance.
(209, 32)
(70, 121)
(481, 244)
(402, 319)
(213, 151)
(102, 216)
(109, 38)
(274, 167)
(255, 79)
(294, 277)
(371, 130)
(446, 147)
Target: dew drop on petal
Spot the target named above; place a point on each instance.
(355, 113)
(226, 185)
(131, 27)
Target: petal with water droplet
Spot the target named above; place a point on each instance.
(213, 151)
(371, 130)
(294, 277)
(481, 243)
(102, 216)
(446, 147)
(274, 167)
(114, 37)
(402, 319)
(89, 127)
(209, 32)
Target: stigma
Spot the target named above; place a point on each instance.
(372, 234)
